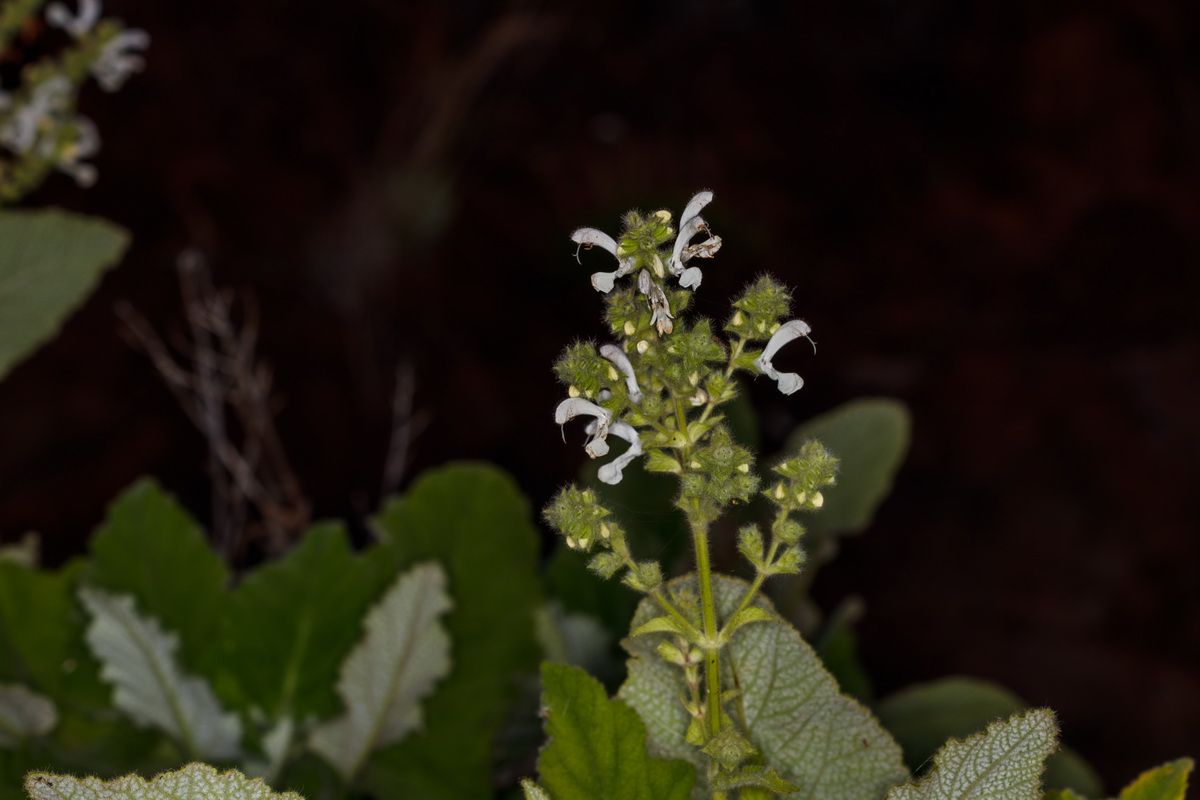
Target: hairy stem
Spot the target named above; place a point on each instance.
(712, 671)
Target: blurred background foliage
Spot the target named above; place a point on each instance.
(986, 210)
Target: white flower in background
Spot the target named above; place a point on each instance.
(85, 146)
(589, 237)
(611, 473)
(59, 16)
(690, 224)
(117, 61)
(572, 407)
(617, 356)
(788, 382)
(40, 115)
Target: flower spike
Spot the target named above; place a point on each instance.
(788, 382)
(589, 237)
(617, 356)
(690, 224)
(572, 407)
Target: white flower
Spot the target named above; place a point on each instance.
(690, 224)
(59, 16)
(115, 63)
(788, 382)
(659, 306)
(617, 356)
(572, 407)
(87, 145)
(611, 473)
(49, 99)
(603, 281)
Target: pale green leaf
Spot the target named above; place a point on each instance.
(50, 260)
(659, 625)
(139, 660)
(925, 715)
(1003, 763)
(825, 743)
(533, 791)
(870, 436)
(1168, 782)
(192, 782)
(473, 520)
(24, 714)
(596, 748)
(405, 652)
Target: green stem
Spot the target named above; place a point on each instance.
(752, 592)
(712, 670)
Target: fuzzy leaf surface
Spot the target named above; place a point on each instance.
(1168, 782)
(50, 260)
(290, 623)
(1002, 763)
(596, 747)
(925, 715)
(473, 520)
(150, 548)
(139, 660)
(871, 437)
(193, 782)
(23, 714)
(789, 708)
(405, 652)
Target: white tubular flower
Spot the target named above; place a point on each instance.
(617, 356)
(59, 16)
(659, 306)
(690, 224)
(49, 99)
(86, 146)
(603, 281)
(116, 62)
(572, 407)
(788, 382)
(611, 473)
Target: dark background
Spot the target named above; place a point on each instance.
(986, 209)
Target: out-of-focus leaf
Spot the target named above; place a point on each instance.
(1002, 763)
(597, 747)
(870, 436)
(150, 548)
(138, 659)
(50, 260)
(386, 677)
(471, 519)
(1168, 782)
(193, 782)
(23, 714)
(791, 706)
(925, 715)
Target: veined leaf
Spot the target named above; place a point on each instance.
(138, 659)
(1002, 763)
(290, 623)
(150, 548)
(24, 714)
(473, 520)
(789, 706)
(50, 261)
(870, 436)
(193, 782)
(384, 679)
(597, 747)
(1168, 782)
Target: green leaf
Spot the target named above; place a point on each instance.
(472, 519)
(50, 260)
(384, 679)
(138, 659)
(744, 617)
(533, 791)
(193, 782)
(789, 704)
(924, 715)
(24, 714)
(1168, 782)
(659, 625)
(758, 777)
(290, 623)
(150, 548)
(1003, 763)
(597, 747)
(870, 436)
